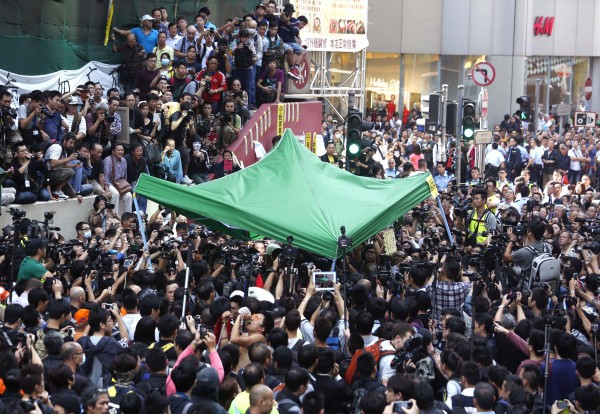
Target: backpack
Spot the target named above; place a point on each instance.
(544, 268)
(375, 350)
(274, 49)
(152, 153)
(286, 406)
(358, 394)
(242, 57)
(297, 346)
(333, 341)
(181, 88)
(115, 395)
(144, 385)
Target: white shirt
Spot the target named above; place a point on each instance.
(536, 154)
(494, 157)
(575, 165)
(131, 320)
(172, 41)
(69, 120)
(54, 152)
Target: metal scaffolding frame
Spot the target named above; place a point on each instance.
(352, 81)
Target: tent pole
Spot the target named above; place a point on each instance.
(142, 229)
(439, 201)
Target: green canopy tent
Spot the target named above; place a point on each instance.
(292, 192)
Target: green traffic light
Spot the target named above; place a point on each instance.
(353, 149)
(468, 133)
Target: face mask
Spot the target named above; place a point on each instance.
(197, 146)
(87, 234)
(82, 359)
(164, 62)
(252, 32)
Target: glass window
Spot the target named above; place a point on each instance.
(420, 77)
(581, 70)
(563, 79)
(452, 74)
(382, 81)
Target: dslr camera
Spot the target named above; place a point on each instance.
(8, 112)
(110, 118)
(225, 118)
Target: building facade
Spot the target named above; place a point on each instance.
(416, 46)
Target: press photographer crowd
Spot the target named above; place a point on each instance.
(189, 87)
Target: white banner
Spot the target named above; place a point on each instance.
(63, 81)
(334, 25)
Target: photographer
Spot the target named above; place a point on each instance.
(73, 118)
(51, 118)
(480, 221)
(78, 182)
(28, 115)
(62, 168)
(211, 83)
(31, 266)
(99, 127)
(531, 240)
(450, 290)
(182, 126)
(228, 125)
(30, 176)
(7, 114)
(113, 118)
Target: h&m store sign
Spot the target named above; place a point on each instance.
(543, 26)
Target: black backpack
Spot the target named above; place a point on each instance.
(242, 57)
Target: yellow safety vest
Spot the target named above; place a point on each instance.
(477, 226)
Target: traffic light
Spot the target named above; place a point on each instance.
(524, 108)
(468, 120)
(354, 135)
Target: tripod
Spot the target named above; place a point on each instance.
(546, 361)
(344, 242)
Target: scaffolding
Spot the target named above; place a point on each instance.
(322, 86)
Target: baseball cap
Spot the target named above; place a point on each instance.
(237, 293)
(73, 101)
(288, 8)
(81, 316)
(146, 17)
(260, 5)
(34, 245)
(278, 312)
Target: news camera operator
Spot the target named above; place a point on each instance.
(479, 221)
(450, 290)
(228, 125)
(7, 114)
(523, 257)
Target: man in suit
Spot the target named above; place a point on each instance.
(330, 156)
(325, 383)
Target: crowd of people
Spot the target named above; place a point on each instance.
(189, 88)
(485, 300)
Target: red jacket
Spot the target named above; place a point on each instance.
(217, 81)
